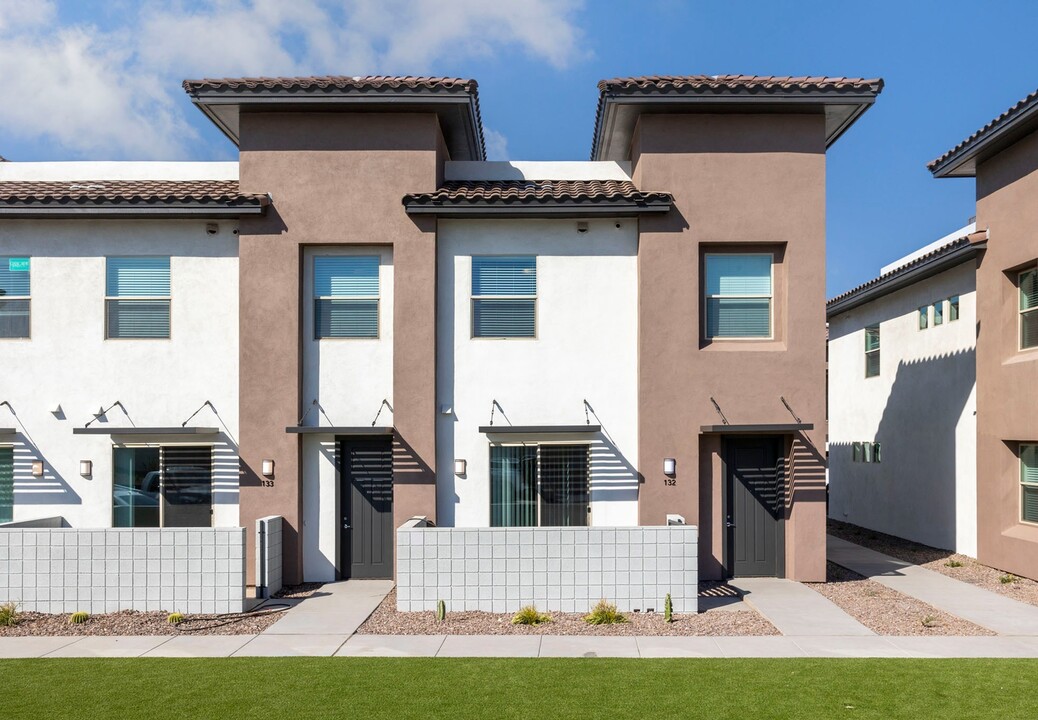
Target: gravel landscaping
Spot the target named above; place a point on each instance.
(954, 565)
(387, 621)
(130, 622)
(886, 611)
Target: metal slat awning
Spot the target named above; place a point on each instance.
(538, 429)
(145, 431)
(338, 430)
(7, 431)
(763, 429)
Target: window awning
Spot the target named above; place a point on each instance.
(339, 430)
(538, 429)
(145, 431)
(765, 429)
(7, 431)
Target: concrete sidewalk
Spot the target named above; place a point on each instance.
(1003, 615)
(337, 608)
(797, 610)
(521, 646)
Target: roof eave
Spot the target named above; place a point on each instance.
(556, 210)
(153, 212)
(898, 280)
(963, 161)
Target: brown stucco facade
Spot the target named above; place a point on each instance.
(335, 179)
(1007, 377)
(741, 182)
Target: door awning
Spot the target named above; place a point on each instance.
(539, 429)
(339, 430)
(764, 429)
(145, 430)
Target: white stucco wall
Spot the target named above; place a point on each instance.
(349, 378)
(921, 408)
(69, 363)
(586, 348)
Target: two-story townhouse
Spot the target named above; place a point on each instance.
(410, 331)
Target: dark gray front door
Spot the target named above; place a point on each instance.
(754, 507)
(366, 503)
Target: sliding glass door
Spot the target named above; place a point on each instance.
(546, 485)
(170, 486)
(6, 484)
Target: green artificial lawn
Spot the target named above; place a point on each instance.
(291, 688)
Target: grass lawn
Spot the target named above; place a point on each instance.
(291, 688)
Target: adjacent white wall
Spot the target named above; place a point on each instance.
(526, 170)
(69, 363)
(921, 408)
(349, 378)
(586, 348)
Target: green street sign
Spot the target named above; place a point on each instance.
(18, 264)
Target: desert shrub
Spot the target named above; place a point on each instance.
(953, 564)
(1008, 578)
(604, 613)
(8, 614)
(175, 618)
(530, 615)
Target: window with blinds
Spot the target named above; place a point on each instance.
(504, 296)
(137, 297)
(346, 296)
(1029, 309)
(167, 486)
(6, 484)
(738, 292)
(546, 485)
(14, 297)
(872, 351)
(1029, 483)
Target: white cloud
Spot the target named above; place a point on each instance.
(115, 92)
(497, 144)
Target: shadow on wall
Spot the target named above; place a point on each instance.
(911, 492)
(49, 489)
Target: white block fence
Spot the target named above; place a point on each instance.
(268, 556)
(189, 570)
(561, 569)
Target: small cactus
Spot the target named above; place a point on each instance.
(79, 617)
(441, 611)
(668, 610)
(175, 618)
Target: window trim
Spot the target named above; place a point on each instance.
(26, 298)
(876, 351)
(167, 298)
(1022, 484)
(539, 444)
(161, 447)
(535, 298)
(707, 297)
(360, 298)
(1020, 312)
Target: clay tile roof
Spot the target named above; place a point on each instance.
(537, 194)
(337, 82)
(739, 83)
(960, 243)
(1009, 116)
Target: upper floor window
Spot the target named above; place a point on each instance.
(1029, 309)
(504, 296)
(346, 296)
(924, 317)
(137, 297)
(938, 313)
(1029, 483)
(738, 296)
(14, 297)
(953, 308)
(872, 351)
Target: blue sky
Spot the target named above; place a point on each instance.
(100, 80)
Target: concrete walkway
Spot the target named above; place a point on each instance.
(337, 608)
(1003, 615)
(797, 610)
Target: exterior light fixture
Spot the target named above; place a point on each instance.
(460, 467)
(268, 468)
(37, 468)
(86, 468)
(670, 467)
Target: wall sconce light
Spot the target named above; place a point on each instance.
(37, 468)
(460, 467)
(268, 468)
(670, 467)
(86, 468)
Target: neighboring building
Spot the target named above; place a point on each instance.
(1003, 157)
(902, 397)
(927, 486)
(387, 326)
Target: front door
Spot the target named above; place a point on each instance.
(366, 504)
(754, 507)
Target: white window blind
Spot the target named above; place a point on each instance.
(504, 296)
(872, 351)
(346, 296)
(1029, 483)
(738, 296)
(14, 297)
(137, 297)
(1029, 309)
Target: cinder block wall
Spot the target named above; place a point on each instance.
(560, 569)
(190, 570)
(269, 555)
